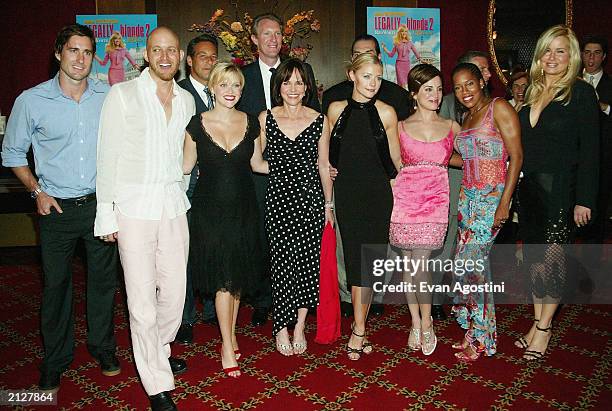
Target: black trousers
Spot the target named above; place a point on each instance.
(262, 298)
(59, 234)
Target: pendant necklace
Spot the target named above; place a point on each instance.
(477, 110)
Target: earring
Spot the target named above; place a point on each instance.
(415, 105)
(542, 72)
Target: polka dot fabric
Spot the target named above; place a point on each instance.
(294, 219)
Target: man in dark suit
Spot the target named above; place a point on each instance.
(594, 53)
(267, 36)
(390, 93)
(201, 57)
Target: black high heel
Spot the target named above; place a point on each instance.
(533, 355)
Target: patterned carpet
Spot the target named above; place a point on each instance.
(574, 375)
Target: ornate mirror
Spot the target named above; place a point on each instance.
(513, 28)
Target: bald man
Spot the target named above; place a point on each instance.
(142, 205)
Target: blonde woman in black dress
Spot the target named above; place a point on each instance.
(224, 240)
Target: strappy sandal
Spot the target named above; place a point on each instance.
(466, 356)
(366, 347)
(355, 351)
(532, 355)
(285, 349)
(461, 346)
(430, 341)
(415, 334)
(299, 347)
(522, 342)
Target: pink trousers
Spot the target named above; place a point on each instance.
(154, 259)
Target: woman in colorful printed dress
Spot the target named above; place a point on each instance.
(421, 194)
(490, 132)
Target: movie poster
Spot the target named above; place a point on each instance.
(407, 37)
(120, 44)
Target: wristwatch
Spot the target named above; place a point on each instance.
(34, 194)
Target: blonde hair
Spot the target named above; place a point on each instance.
(397, 39)
(562, 88)
(110, 46)
(225, 70)
(360, 61)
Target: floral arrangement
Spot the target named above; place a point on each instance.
(236, 35)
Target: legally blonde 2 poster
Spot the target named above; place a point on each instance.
(407, 37)
(120, 44)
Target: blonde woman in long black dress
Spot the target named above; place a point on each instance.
(560, 129)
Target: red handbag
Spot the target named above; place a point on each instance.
(328, 311)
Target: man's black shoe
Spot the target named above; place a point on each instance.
(377, 309)
(211, 321)
(437, 312)
(346, 309)
(109, 364)
(177, 365)
(260, 316)
(184, 334)
(49, 381)
(162, 402)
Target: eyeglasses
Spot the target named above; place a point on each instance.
(592, 53)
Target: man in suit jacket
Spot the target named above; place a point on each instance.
(201, 57)
(390, 93)
(594, 53)
(267, 36)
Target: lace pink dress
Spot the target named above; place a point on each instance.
(421, 193)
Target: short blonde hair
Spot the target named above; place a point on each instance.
(225, 70)
(562, 89)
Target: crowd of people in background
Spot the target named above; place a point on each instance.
(220, 186)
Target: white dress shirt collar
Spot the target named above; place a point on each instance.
(266, 77)
(199, 87)
(595, 77)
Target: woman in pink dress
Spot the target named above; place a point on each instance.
(116, 53)
(402, 46)
(421, 194)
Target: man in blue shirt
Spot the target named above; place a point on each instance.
(59, 120)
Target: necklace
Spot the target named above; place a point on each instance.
(477, 110)
(167, 96)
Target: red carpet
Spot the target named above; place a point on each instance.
(575, 375)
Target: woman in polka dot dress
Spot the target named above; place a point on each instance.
(298, 201)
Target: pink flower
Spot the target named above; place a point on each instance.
(315, 25)
(236, 26)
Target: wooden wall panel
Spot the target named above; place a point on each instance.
(331, 45)
(120, 6)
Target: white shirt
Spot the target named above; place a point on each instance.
(140, 155)
(199, 87)
(593, 79)
(266, 77)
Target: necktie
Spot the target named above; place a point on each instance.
(273, 74)
(210, 103)
(591, 79)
